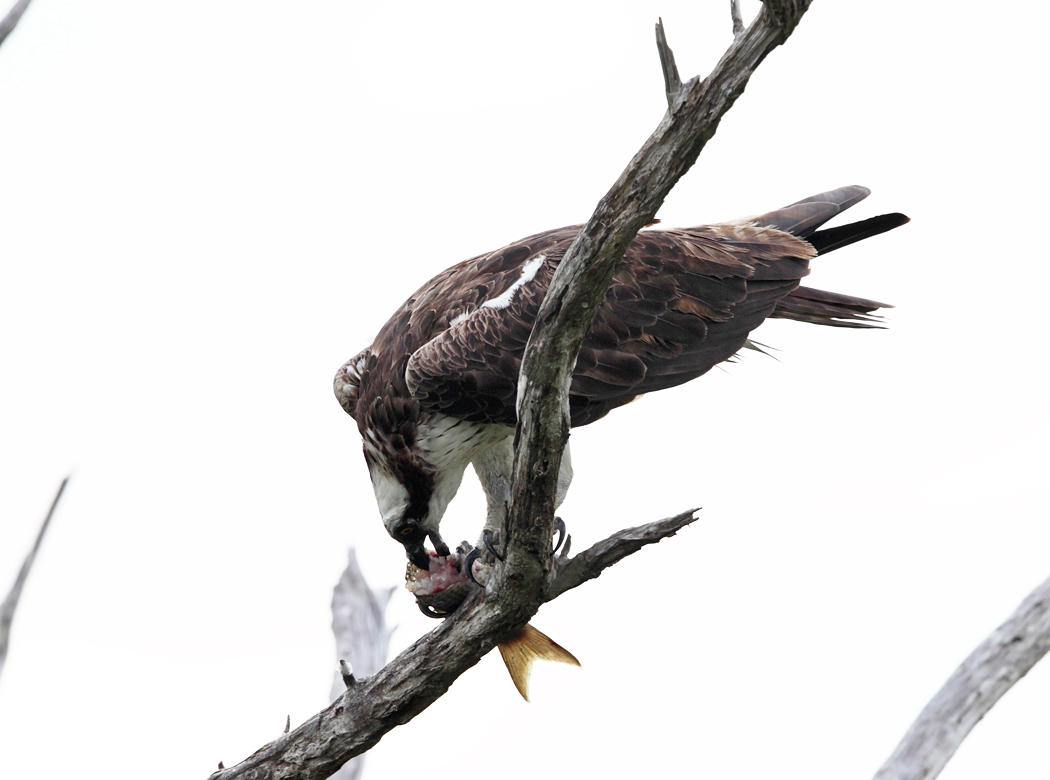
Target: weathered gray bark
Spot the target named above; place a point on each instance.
(7, 609)
(973, 689)
(672, 81)
(572, 572)
(738, 20)
(422, 673)
(403, 688)
(584, 274)
(14, 16)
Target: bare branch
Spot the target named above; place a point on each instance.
(422, 673)
(596, 559)
(672, 81)
(973, 689)
(7, 609)
(738, 20)
(14, 16)
(372, 706)
(579, 285)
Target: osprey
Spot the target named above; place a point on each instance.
(436, 390)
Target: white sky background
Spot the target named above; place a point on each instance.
(206, 207)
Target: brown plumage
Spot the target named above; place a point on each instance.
(438, 385)
(682, 301)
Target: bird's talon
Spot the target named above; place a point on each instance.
(565, 548)
(430, 612)
(486, 537)
(559, 526)
(468, 565)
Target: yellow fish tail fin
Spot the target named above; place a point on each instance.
(528, 646)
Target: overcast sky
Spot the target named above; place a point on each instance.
(206, 207)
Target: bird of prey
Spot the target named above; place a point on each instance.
(436, 390)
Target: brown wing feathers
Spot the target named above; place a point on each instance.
(681, 302)
(807, 304)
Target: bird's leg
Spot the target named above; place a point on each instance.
(564, 477)
(564, 480)
(494, 467)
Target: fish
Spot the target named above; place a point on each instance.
(444, 585)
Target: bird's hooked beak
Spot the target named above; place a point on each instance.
(418, 556)
(411, 535)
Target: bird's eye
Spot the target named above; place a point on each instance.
(407, 530)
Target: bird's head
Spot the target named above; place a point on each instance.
(412, 500)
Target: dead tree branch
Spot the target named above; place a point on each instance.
(14, 16)
(672, 81)
(7, 609)
(738, 20)
(423, 672)
(403, 688)
(580, 282)
(573, 572)
(991, 670)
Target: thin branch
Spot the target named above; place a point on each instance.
(14, 16)
(672, 81)
(422, 673)
(738, 20)
(596, 559)
(991, 670)
(7, 609)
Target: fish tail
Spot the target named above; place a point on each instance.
(521, 651)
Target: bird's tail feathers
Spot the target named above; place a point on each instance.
(829, 240)
(531, 645)
(805, 216)
(803, 219)
(807, 304)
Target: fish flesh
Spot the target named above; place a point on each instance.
(443, 586)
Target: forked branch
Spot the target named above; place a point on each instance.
(672, 81)
(579, 285)
(738, 20)
(372, 706)
(423, 672)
